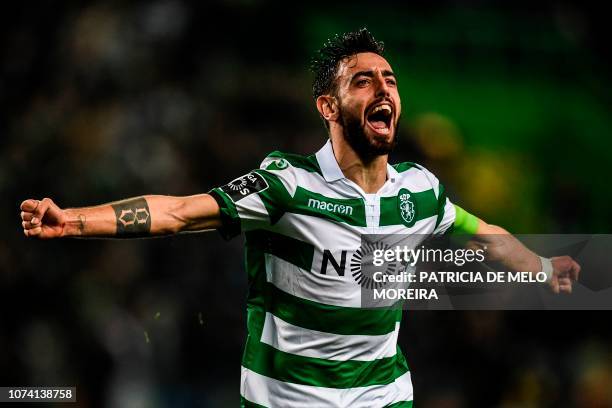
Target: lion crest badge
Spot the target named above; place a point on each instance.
(407, 207)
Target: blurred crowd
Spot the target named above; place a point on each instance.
(507, 105)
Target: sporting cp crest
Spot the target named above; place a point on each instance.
(407, 207)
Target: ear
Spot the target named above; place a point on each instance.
(327, 106)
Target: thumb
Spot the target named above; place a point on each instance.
(40, 210)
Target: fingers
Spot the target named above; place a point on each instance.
(29, 221)
(565, 285)
(42, 208)
(36, 207)
(32, 232)
(28, 225)
(565, 266)
(566, 271)
(554, 284)
(29, 218)
(29, 205)
(31, 228)
(32, 213)
(574, 270)
(34, 210)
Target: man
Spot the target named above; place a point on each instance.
(309, 342)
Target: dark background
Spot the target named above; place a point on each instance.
(508, 104)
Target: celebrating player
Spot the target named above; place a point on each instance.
(309, 342)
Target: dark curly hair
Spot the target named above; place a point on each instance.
(326, 61)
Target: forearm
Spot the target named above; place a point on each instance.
(148, 215)
(503, 247)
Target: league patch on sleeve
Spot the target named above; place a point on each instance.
(245, 186)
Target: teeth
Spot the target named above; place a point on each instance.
(382, 107)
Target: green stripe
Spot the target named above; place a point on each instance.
(245, 403)
(308, 163)
(256, 270)
(275, 198)
(294, 251)
(327, 318)
(350, 211)
(402, 167)
(400, 404)
(318, 372)
(441, 204)
(425, 203)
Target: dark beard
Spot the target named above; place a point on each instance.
(365, 148)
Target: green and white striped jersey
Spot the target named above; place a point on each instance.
(309, 343)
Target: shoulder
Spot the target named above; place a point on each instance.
(286, 162)
(407, 169)
(417, 176)
(285, 171)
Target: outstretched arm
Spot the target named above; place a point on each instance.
(148, 215)
(503, 247)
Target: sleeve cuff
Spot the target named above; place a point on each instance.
(230, 222)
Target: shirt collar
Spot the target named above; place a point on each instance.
(328, 164)
(331, 170)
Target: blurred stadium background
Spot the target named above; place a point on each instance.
(508, 103)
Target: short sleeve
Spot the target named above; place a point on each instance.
(446, 213)
(255, 200)
(446, 210)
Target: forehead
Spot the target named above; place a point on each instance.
(364, 61)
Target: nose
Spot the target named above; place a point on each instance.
(382, 88)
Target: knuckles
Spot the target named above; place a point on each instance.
(564, 262)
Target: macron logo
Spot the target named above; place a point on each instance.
(336, 208)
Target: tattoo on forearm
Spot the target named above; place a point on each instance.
(82, 222)
(133, 217)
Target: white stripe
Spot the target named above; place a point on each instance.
(329, 288)
(326, 234)
(321, 232)
(272, 393)
(286, 175)
(297, 340)
(316, 183)
(416, 180)
(252, 212)
(448, 219)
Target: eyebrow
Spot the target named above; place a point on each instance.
(370, 74)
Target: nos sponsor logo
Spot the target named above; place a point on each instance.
(361, 266)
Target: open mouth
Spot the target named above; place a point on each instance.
(380, 117)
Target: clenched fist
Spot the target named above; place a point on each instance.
(565, 272)
(42, 219)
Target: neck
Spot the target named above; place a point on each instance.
(369, 174)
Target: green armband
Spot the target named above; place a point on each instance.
(465, 223)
